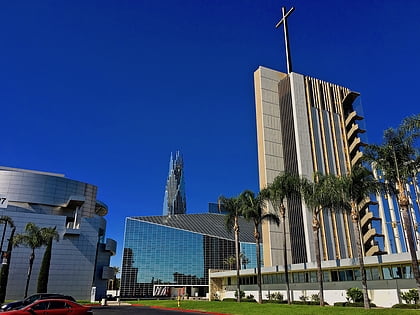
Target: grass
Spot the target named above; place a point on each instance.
(246, 308)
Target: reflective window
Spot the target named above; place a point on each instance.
(155, 254)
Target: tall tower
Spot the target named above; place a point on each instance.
(174, 201)
(305, 125)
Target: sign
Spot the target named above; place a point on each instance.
(3, 201)
(93, 294)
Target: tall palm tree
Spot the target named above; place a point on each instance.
(49, 234)
(284, 186)
(252, 209)
(32, 238)
(321, 193)
(232, 207)
(357, 185)
(4, 273)
(397, 157)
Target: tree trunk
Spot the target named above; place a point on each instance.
(2, 237)
(44, 271)
(28, 278)
(315, 228)
(257, 246)
(286, 264)
(403, 203)
(238, 263)
(4, 275)
(356, 230)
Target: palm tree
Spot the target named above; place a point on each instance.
(6, 221)
(397, 157)
(356, 187)
(252, 209)
(49, 234)
(321, 193)
(32, 238)
(4, 273)
(233, 211)
(285, 186)
(244, 260)
(230, 261)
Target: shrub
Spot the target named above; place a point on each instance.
(275, 296)
(340, 303)
(410, 297)
(315, 298)
(248, 300)
(406, 306)
(307, 303)
(241, 293)
(250, 297)
(355, 295)
(303, 298)
(356, 304)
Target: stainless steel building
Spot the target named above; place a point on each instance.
(80, 259)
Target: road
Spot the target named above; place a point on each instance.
(143, 310)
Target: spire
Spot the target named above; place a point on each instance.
(174, 201)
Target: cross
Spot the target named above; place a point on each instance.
(286, 36)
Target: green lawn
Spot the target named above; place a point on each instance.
(246, 308)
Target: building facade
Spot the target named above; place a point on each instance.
(80, 258)
(172, 255)
(175, 201)
(306, 125)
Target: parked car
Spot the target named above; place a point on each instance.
(32, 298)
(53, 307)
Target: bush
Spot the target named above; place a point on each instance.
(340, 303)
(216, 297)
(275, 296)
(355, 295)
(229, 300)
(315, 298)
(303, 298)
(241, 293)
(357, 304)
(410, 297)
(242, 300)
(406, 306)
(250, 297)
(248, 300)
(307, 303)
(275, 302)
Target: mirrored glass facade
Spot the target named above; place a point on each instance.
(178, 252)
(175, 201)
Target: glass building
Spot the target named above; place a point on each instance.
(172, 255)
(174, 201)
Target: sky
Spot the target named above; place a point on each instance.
(104, 91)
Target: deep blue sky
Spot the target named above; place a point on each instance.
(103, 91)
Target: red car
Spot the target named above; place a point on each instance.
(52, 307)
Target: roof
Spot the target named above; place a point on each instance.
(210, 224)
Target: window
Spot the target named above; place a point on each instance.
(40, 306)
(54, 305)
(313, 277)
(387, 272)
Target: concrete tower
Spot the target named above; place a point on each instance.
(305, 125)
